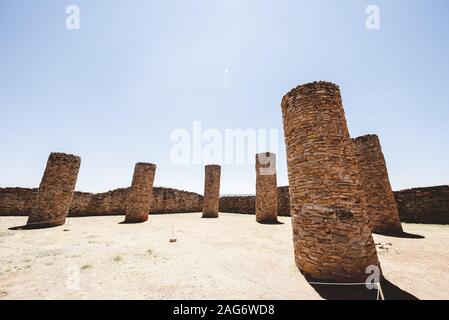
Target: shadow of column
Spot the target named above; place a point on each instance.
(361, 292)
(404, 235)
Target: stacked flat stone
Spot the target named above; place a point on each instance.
(424, 205)
(331, 235)
(52, 203)
(266, 188)
(381, 207)
(211, 198)
(283, 202)
(141, 193)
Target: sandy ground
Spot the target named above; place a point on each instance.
(232, 257)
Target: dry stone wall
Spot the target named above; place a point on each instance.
(331, 235)
(380, 204)
(247, 204)
(424, 205)
(19, 201)
(238, 204)
(166, 200)
(16, 201)
(421, 205)
(93, 204)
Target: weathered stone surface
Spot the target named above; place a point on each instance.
(380, 204)
(266, 188)
(141, 192)
(93, 204)
(283, 202)
(420, 205)
(247, 204)
(19, 201)
(52, 203)
(424, 205)
(167, 200)
(331, 234)
(238, 204)
(164, 200)
(211, 191)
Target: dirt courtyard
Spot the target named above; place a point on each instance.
(232, 257)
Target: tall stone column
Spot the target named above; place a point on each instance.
(381, 207)
(331, 235)
(211, 191)
(141, 193)
(266, 188)
(52, 202)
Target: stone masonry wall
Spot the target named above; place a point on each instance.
(238, 204)
(167, 200)
(247, 204)
(421, 205)
(93, 204)
(19, 201)
(16, 201)
(424, 205)
(380, 205)
(331, 235)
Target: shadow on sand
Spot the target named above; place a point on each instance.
(132, 222)
(360, 292)
(404, 235)
(272, 223)
(33, 227)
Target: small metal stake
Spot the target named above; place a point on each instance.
(173, 239)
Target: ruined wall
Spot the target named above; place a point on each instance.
(18, 202)
(421, 205)
(238, 204)
(247, 204)
(52, 202)
(424, 205)
(95, 204)
(167, 200)
(331, 236)
(380, 204)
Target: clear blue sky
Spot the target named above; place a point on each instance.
(113, 91)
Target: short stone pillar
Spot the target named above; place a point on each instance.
(266, 188)
(331, 235)
(52, 202)
(141, 193)
(381, 207)
(211, 191)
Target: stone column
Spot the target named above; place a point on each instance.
(331, 234)
(266, 188)
(211, 191)
(141, 193)
(52, 202)
(381, 208)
